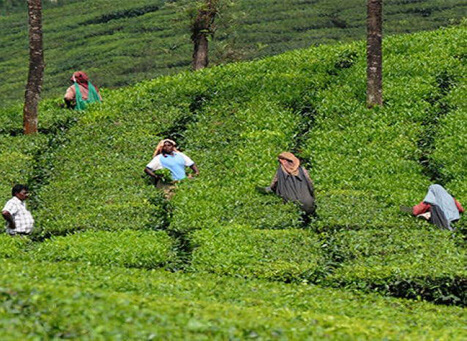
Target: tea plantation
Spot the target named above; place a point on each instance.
(122, 42)
(113, 258)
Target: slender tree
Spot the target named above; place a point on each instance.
(374, 53)
(202, 28)
(36, 67)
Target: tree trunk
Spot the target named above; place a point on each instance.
(201, 29)
(374, 53)
(36, 67)
(200, 52)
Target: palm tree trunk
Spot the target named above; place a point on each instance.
(201, 51)
(374, 52)
(201, 29)
(36, 67)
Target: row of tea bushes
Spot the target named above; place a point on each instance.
(12, 247)
(97, 180)
(17, 158)
(366, 161)
(129, 41)
(449, 154)
(417, 263)
(281, 255)
(76, 300)
(126, 248)
(53, 118)
(258, 110)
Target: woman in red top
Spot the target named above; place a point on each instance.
(81, 91)
(438, 207)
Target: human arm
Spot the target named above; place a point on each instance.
(9, 218)
(273, 184)
(420, 208)
(307, 176)
(190, 163)
(195, 170)
(153, 166)
(151, 173)
(69, 97)
(459, 206)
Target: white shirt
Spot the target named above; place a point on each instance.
(175, 162)
(156, 163)
(21, 216)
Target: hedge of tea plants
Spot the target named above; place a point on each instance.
(417, 263)
(126, 248)
(449, 155)
(282, 255)
(59, 300)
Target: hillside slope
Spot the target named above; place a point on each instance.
(122, 42)
(245, 264)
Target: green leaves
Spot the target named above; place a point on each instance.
(127, 248)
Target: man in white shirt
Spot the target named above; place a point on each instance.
(19, 219)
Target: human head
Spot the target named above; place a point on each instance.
(289, 162)
(79, 77)
(165, 146)
(20, 191)
(168, 147)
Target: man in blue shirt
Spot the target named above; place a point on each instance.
(167, 156)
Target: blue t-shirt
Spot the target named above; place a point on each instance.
(175, 162)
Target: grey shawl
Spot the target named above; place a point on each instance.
(295, 188)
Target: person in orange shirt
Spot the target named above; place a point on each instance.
(81, 92)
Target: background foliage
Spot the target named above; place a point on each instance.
(122, 42)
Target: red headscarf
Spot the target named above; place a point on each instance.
(81, 78)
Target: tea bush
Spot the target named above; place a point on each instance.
(17, 157)
(127, 248)
(13, 247)
(97, 178)
(418, 264)
(284, 255)
(81, 301)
